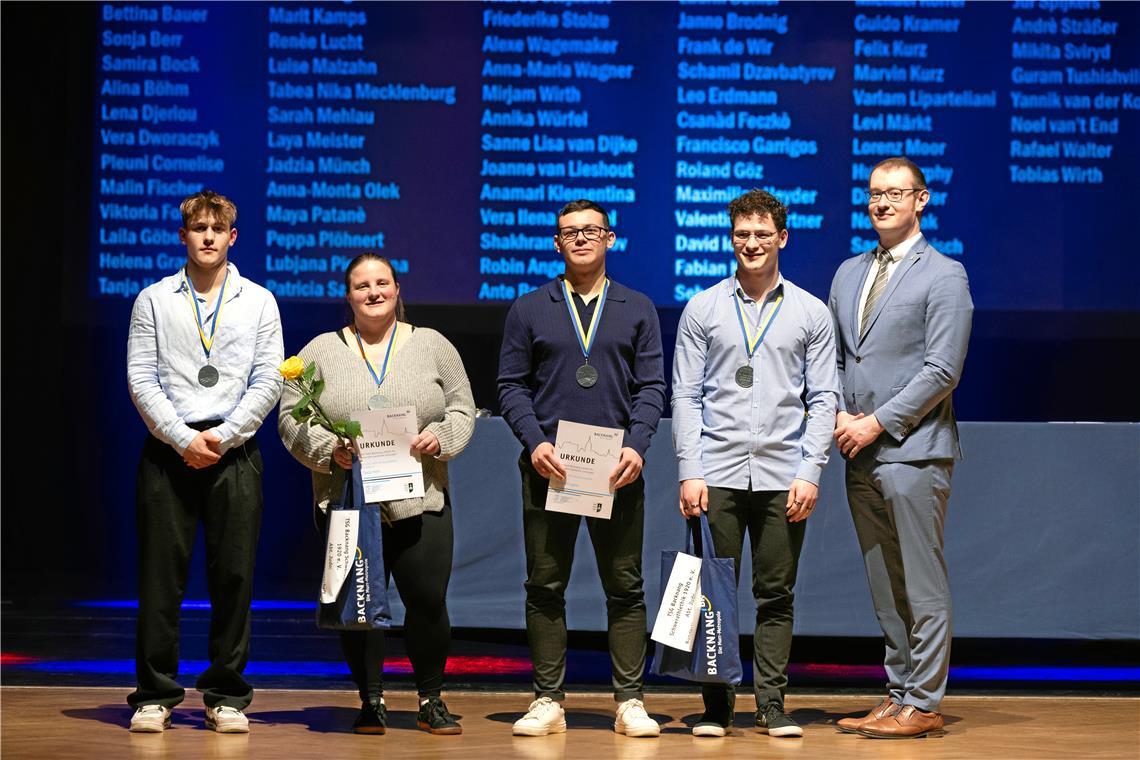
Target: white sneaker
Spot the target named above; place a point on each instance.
(544, 716)
(632, 720)
(150, 719)
(227, 720)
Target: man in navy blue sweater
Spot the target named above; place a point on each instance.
(550, 371)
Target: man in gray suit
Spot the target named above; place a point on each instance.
(902, 316)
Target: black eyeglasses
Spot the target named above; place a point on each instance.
(593, 233)
(894, 195)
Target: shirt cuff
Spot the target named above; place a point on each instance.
(687, 469)
(227, 438)
(182, 436)
(810, 472)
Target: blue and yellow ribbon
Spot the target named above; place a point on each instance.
(752, 342)
(207, 340)
(379, 378)
(585, 337)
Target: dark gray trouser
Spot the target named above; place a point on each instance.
(899, 511)
(776, 545)
(171, 500)
(549, 539)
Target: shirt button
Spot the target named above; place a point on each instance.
(858, 359)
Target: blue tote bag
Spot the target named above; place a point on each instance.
(362, 601)
(716, 651)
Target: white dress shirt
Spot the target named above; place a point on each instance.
(164, 355)
(898, 253)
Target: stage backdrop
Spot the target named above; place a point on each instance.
(445, 135)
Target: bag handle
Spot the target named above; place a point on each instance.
(353, 488)
(698, 537)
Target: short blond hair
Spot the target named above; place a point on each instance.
(211, 204)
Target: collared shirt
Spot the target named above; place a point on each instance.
(165, 353)
(541, 353)
(779, 429)
(897, 254)
(585, 309)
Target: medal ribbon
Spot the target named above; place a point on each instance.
(387, 355)
(207, 342)
(586, 337)
(751, 343)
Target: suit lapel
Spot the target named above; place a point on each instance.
(904, 266)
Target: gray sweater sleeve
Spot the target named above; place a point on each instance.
(311, 445)
(454, 431)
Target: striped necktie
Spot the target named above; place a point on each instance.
(877, 288)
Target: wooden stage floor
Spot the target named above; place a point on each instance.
(59, 723)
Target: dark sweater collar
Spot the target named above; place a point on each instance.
(617, 291)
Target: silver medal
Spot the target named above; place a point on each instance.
(586, 376)
(744, 377)
(208, 376)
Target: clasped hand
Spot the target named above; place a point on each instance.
(855, 432)
(205, 450)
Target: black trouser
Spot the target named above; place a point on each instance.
(550, 539)
(171, 499)
(776, 545)
(417, 554)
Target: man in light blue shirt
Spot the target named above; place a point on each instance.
(755, 392)
(202, 359)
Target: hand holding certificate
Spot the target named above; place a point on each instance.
(589, 455)
(389, 466)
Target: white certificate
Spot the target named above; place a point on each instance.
(390, 468)
(589, 455)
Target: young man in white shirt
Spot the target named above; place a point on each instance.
(202, 358)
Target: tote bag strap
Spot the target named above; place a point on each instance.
(352, 494)
(698, 537)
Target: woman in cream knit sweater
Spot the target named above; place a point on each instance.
(382, 359)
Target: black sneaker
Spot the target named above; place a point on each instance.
(373, 718)
(716, 720)
(434, 718)
(772, 720)
(712, 725)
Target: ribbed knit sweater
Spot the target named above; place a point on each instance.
(426, 373)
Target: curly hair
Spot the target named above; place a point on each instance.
(759, 203)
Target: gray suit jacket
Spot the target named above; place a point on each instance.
(911, 357)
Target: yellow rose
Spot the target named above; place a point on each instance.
(292, 368)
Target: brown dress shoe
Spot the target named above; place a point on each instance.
(852, 725)
(907, 723)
